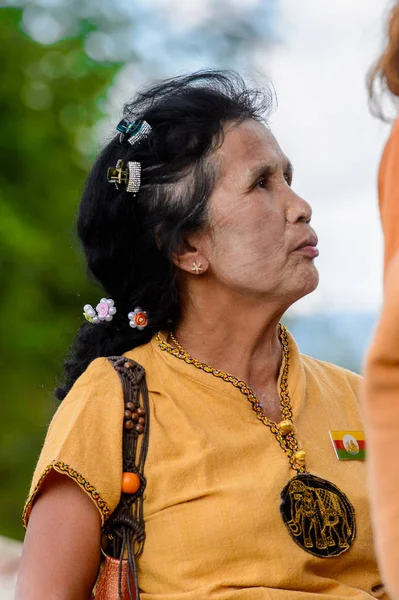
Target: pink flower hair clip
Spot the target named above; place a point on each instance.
(104, 311)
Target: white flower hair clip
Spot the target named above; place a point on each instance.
(104, 311)
(138, 318)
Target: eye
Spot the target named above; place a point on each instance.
(261, 183)
(288, 178)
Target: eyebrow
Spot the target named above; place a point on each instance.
(270, 169)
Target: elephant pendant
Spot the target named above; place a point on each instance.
(318, 515)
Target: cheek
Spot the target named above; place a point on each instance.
(249, 230)
(246, 242)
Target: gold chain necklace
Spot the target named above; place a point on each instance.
(284, 431)
(317, 514)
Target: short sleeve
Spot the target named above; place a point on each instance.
(84, 439)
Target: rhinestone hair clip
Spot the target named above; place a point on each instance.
(131, 177)
(136, 131)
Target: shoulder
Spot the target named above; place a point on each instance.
(141, 354)
(332, 375)
(394, 136)
(96, 383)
(93, 409)
(387, 169)
(393, 139)
(99, 371)
(84, 439)
(384, 351)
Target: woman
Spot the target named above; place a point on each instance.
(244, 495)
(381, 406)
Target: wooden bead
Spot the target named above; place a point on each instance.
(130, 406)
(130, 483)
(128, 414)
(128, 425)
(139, 428)
(135, 416)
(141, 421)
(141, 411)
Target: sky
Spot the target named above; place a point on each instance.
(323, 123)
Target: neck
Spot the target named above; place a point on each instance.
(237, 335)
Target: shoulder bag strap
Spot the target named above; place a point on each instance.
(125, 527)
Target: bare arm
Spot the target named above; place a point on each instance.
(61, 554)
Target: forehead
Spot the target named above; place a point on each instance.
(247, 145)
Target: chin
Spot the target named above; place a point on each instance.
(307, 282)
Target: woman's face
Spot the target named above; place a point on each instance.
(259, 241)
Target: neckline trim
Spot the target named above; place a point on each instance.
(238, 383)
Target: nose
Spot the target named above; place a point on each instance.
(298, 210)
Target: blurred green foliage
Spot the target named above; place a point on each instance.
(50, 99)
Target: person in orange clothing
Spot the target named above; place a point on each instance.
(388, 188)
(385, 75)
(381, 398)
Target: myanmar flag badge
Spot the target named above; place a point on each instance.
(349, 445)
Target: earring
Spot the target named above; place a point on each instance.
(197, 267)
(138, 318)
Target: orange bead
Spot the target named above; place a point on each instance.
(130, 483)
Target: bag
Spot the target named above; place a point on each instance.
(107, 584)
(117, 578)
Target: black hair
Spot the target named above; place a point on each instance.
(129, 241)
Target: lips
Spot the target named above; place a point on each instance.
(310, 242)
(308, 246)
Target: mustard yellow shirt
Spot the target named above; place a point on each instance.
(214, 477)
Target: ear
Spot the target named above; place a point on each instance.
(190, 258)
